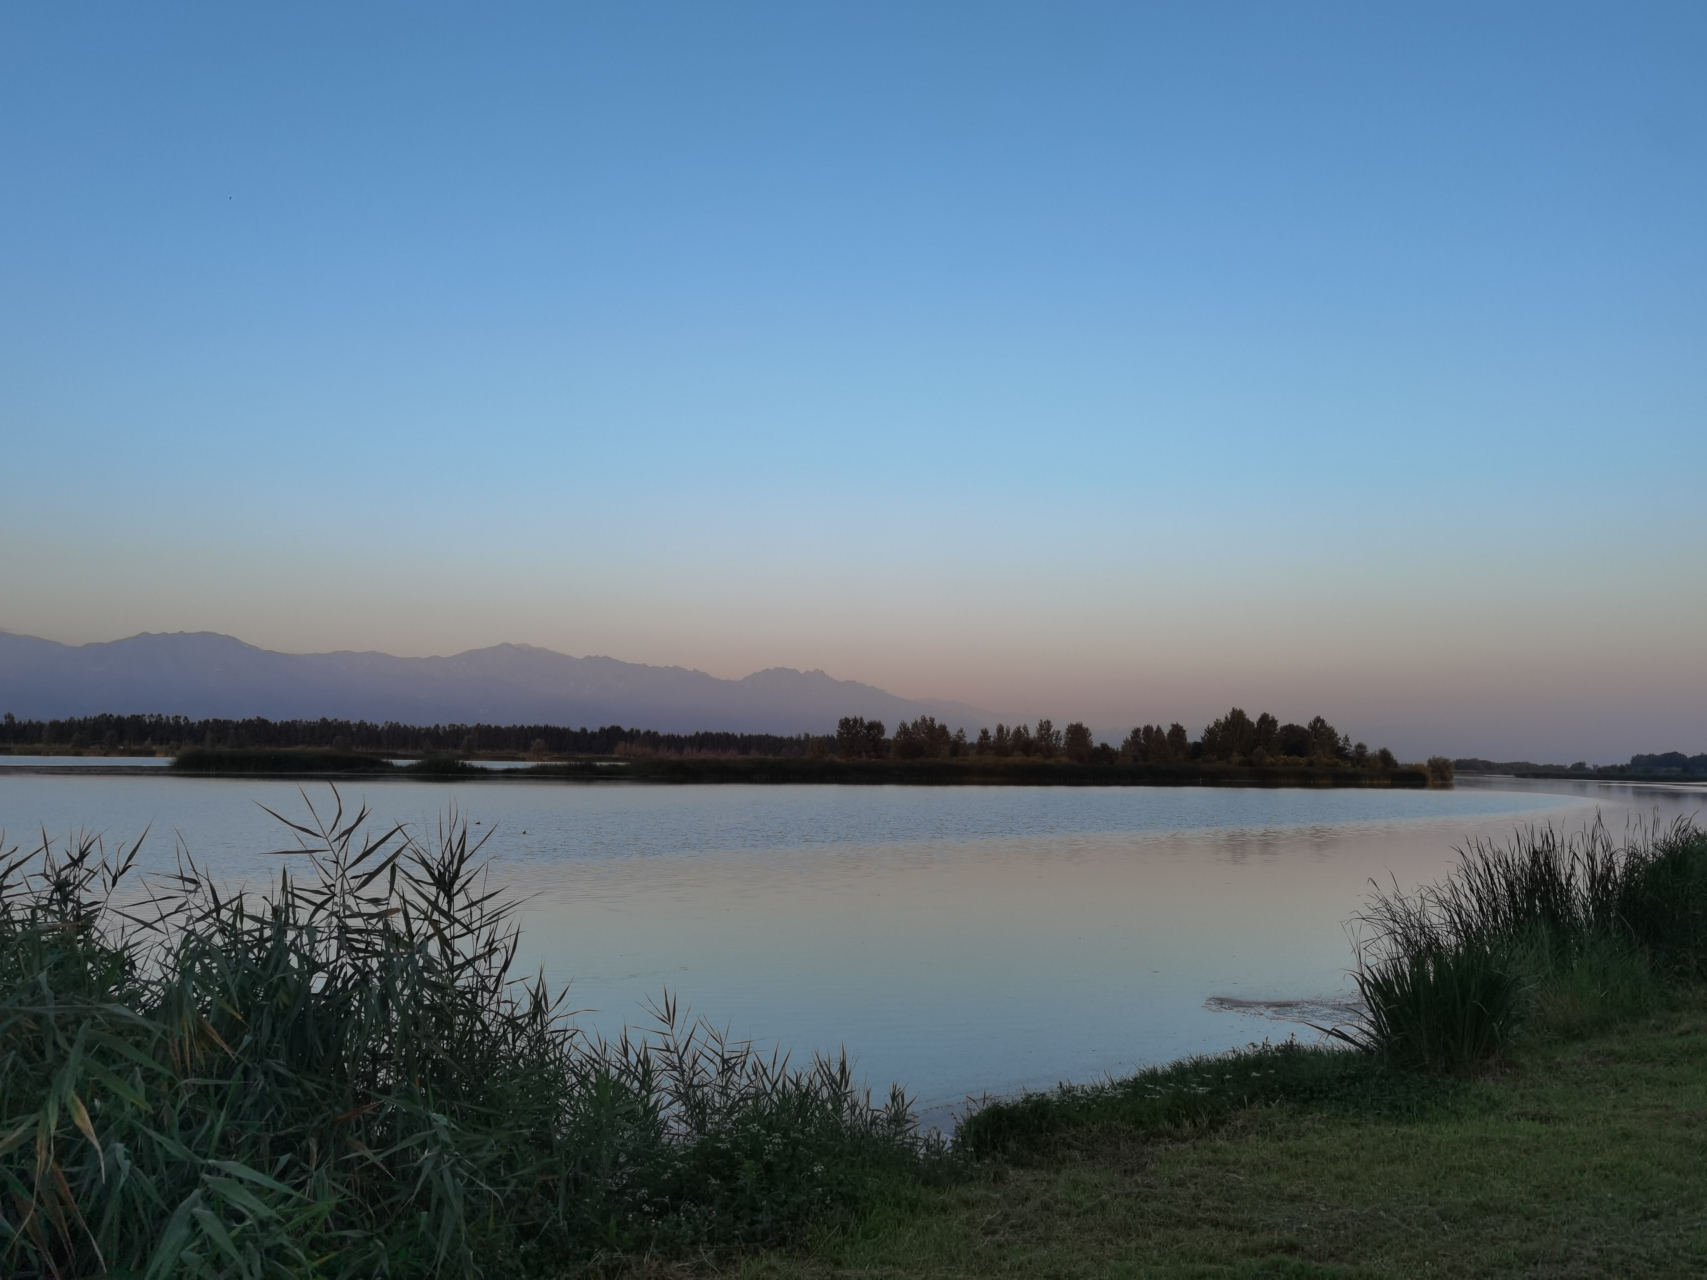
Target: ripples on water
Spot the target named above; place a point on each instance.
(959, 939)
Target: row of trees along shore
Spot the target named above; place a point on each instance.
(1234, 738)
(171, 734)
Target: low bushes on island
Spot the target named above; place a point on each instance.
(285, 760)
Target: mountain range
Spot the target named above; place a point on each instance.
(204, 674)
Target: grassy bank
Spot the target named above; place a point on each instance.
(1576, 1157)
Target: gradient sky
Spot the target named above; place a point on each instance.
(1105, 361)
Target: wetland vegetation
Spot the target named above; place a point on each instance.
(1233, 749)
(346, 1076)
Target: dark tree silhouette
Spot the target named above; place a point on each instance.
(858, 738)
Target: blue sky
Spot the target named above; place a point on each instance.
(1101, 361)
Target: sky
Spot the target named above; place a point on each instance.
(1109, 362)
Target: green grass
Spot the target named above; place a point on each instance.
(1576, 1158)
(1195, 1096)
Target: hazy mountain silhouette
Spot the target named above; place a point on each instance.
(202, 673)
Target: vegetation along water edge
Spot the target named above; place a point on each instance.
(1234, 749)
(346, 1076)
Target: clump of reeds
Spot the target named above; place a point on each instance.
(1566, 932)
(343, 1077)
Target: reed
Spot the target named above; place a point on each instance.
(344, 1076)
(1564, 932)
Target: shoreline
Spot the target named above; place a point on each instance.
(774, 771)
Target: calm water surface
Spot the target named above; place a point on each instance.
(959, 940)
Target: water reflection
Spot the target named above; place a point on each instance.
(957, 939)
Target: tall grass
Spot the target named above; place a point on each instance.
(344, 1076)
(1565, 932)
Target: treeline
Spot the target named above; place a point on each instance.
(1664, 764)
(178, 733)
(1671, 762)
(1235, 738)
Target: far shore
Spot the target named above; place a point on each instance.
(341, 767)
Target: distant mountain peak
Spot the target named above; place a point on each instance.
(177, 673)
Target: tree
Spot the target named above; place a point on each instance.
(1152, 744)
(1292, 740)
(1267, 730)
(1020, 741)
(1324, 739)
(1076, 742)
(1003, 744)
(1232, 737)
(985, 745)
(1048, 740)
(924, 737)
(1179, 745)
(858, 738)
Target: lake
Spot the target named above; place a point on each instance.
(957, 939)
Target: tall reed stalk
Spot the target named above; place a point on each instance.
(344, 1076)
